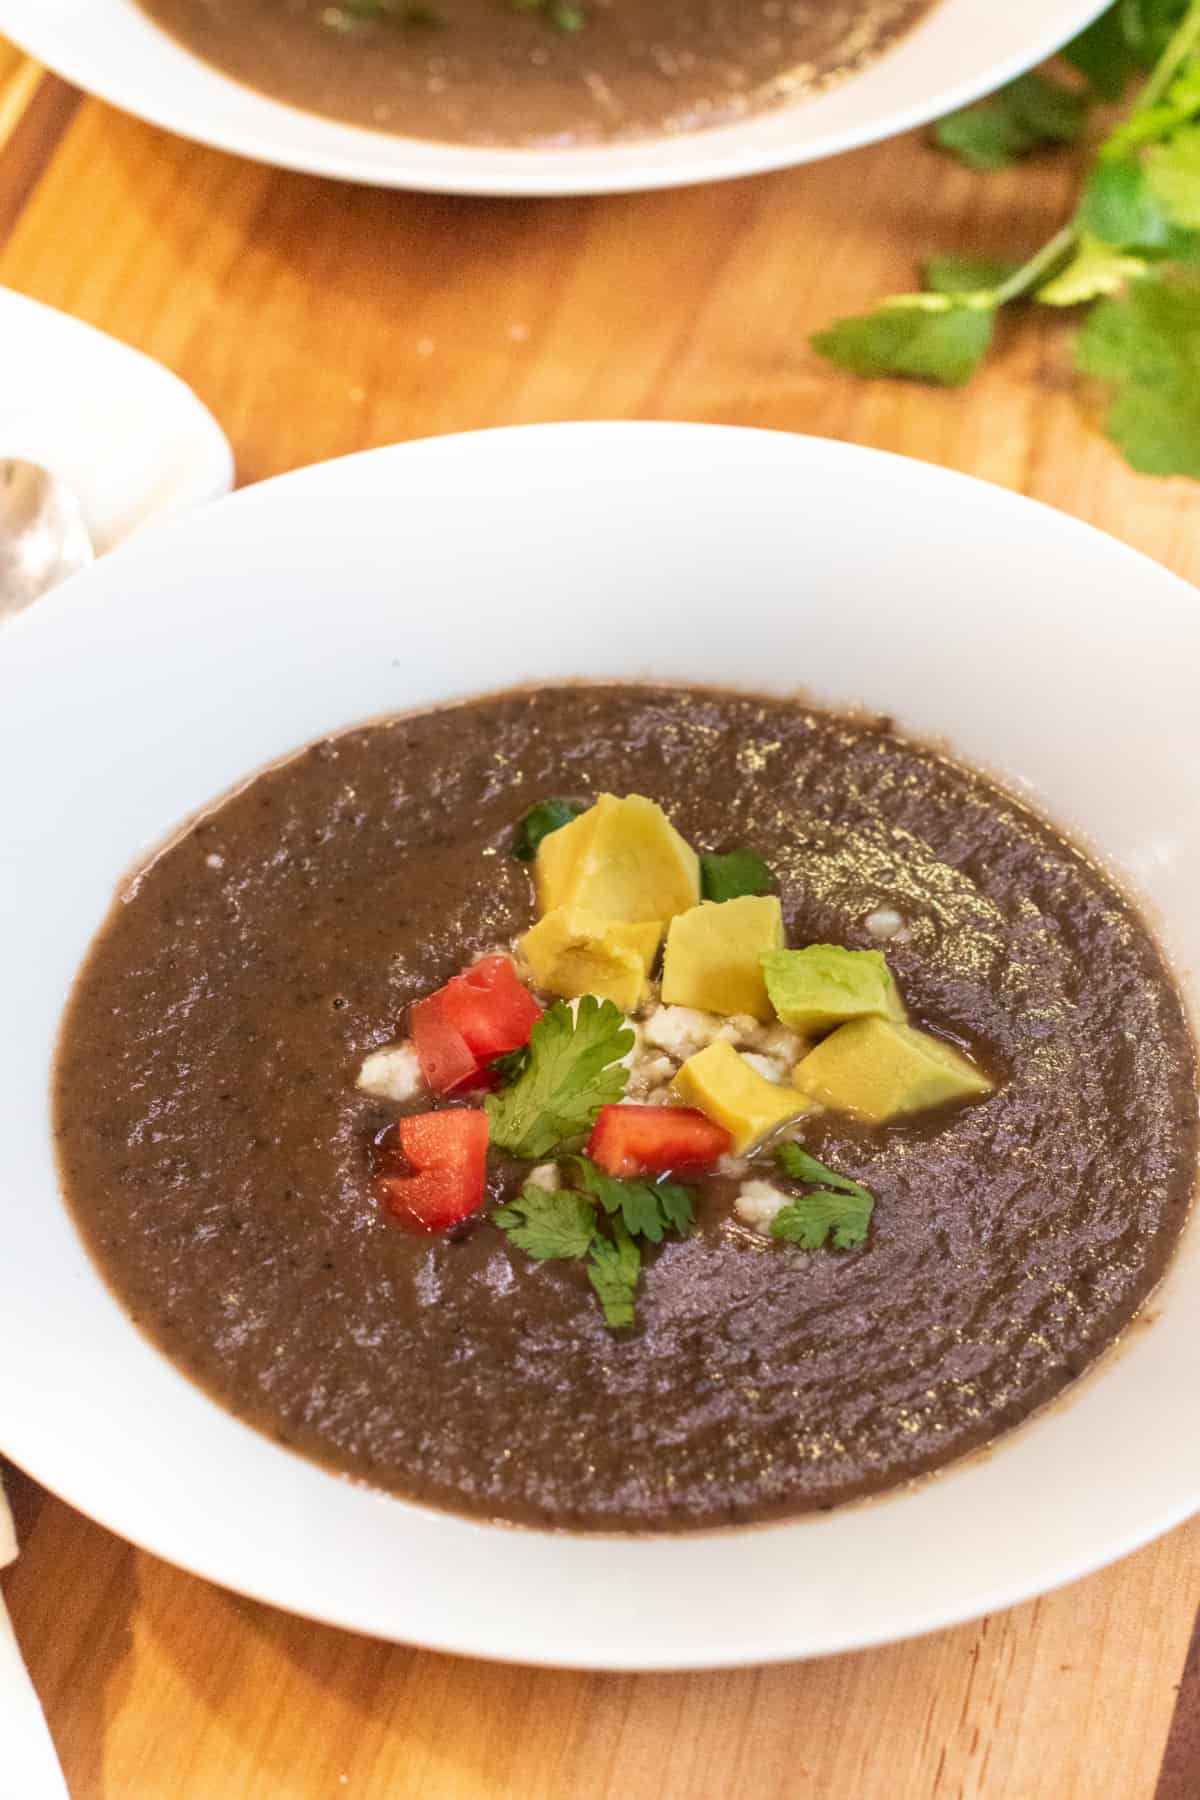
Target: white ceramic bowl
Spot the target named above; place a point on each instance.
(390, 580)
(964, 48)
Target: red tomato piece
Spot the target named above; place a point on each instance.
(447, 1061)
(491, 1006)
(654, 1140)
(446, 1154)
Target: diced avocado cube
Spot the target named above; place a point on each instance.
(881, 1070)
(824, 985)
(723, 1085)
(621, 859)
(713, 958)
(572, 952)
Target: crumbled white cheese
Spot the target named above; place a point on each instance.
(780, 1042)
(682, 1030)
(742, 1028)
(651, 1070)
(767, 1066)
(393, 1073)
(758, 1203)
(544, 1176)
(734, 1167)
(887, 923)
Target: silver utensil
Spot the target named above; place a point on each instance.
(43, 538)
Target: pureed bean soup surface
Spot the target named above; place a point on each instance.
(549, 72)
(217, 1154)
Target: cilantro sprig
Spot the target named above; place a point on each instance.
(837, 1211)
(731, 876)
(1131, 251)
(539, 822)
(601, 1218)
(573, 1068)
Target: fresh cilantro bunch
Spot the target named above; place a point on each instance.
(837, 1211)
(1131, 252)
(572, 1068)
(601, 1218)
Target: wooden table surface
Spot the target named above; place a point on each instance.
(316, 319)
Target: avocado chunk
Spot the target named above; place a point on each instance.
(722, 1084)
(881, 1070)
(824, 985)
(572, 952)
(621, 860)
(713, 958)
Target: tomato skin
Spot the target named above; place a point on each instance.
(447, 1060)
(446, 1154)
(476, 1017)
(655, 1140)
(491, 1006)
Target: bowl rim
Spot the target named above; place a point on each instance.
(376, 158)
(134, 566)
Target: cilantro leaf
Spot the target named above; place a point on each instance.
(814, 1219)
(841, 1210)
(1173, 177)
(1119, 208)
(795, 1160)
(574, 1069)
(1096, 268)
(647, 1209)
(1024, 116)
(1147, 346)
(548, 1225)
(923, 336)
(1104, 54)
(614, 1269)
(954, 274)
(510, 1065)
(729, 877)
(539, 822)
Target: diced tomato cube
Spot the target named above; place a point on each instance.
(477, 1016)
(447, 1060)
(446, 1154)
(491, 1006)
(654, 1140)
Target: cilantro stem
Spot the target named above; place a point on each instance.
(1180, 47)
(1030, 274)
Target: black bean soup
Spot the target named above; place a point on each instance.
(546, 73)
(218, 1154)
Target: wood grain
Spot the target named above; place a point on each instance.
(317, 319)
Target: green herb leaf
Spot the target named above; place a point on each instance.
(814, 1220)
(795, 1161)
(952, 274)
(1147, 346)
(566, 15)
(539, 822)
(510, 1065)
(648, 1209)
(730, 877)
(548, 1225)
(1173, 177)
(1096, 268)
(1119, 208)
(842, 1211)
(923, 336)
(1024, 116)
(614, 1270)
(574, 1069)
(1104, 54)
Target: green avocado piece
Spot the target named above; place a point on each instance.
(824, 985)
(881, 1070)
